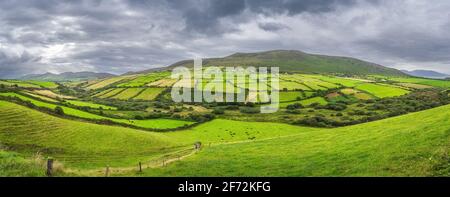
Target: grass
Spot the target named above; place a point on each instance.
(109, 93)
(89, 104)
(290, 96)
(44, 84)
(50, 94)
(423, 81)
(363, 96)
(416, 144)
(149, 123)
(149, 94)
(381, 91)
(128, 93)
(413, 85)
(289, 85)
(14, 165)
(18, 83)
(162, 83)
(338, 80)
(74, 143)
(41, 97)
(109, 81)
(145, 79)
(412, 145)
(306, 102)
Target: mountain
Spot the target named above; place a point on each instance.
(67, 76)
(297, 61)
(426, 74)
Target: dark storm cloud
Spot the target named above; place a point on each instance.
(37, 36)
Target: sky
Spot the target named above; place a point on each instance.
(115, 36)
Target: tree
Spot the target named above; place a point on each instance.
(59, 110)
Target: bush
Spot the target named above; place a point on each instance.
(218, 110)
(59, 110)
(294, 106)
(249, 110)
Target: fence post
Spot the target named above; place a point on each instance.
(140, 167)
(107, 171)
(49, 167)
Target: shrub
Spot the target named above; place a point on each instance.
(59, 110)
(218, 110)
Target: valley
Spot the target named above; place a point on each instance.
(344, 117)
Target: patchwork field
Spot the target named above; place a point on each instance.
(128, 93)
(110, 92)
(381, 91)
(109, 81)
(149, 94)
(90, 104)
(148, 124)
(121, 121)
(145, 79)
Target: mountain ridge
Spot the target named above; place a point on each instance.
(67, 76)
(297, 61)
(427, 74)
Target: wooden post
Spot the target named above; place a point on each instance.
(164, 161)
(107, 171)
(49, 167)
(140, 167)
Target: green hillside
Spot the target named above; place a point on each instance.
(417, 144)
(289, 60)
(77, 143)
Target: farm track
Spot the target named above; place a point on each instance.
(157, 162)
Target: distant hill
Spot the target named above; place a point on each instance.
(67, 76)
(426, 74)
(297, 61)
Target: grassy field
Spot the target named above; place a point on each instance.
(145, 79)
(381, 91)
(411, 145)
(41, 97)
(18, 83)
(109, 93)
(391, 147)
(149, 94)
(90, 104)
(290, 96)
(423, 81)
(14, 165)
(289, 85)
(150, 123)
(44, 84)
(338, 80)
(306, 102)
(50, 94)
(109, 81)
(128, 93)
(75, 143)
(163, 83)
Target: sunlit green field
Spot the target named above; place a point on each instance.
(128, 93)
(381, 91)
(410, 145)
(149, 94)
(150, 123)
(145, 126)
(145, 79)
(90, 104)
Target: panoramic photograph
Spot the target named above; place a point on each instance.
(229, 88)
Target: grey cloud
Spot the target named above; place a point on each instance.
(119, 36)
